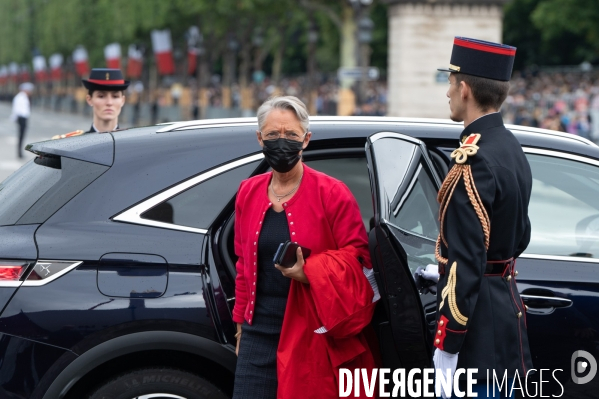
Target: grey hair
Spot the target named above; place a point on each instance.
(290, 103)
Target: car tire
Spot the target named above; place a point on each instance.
(158, 383)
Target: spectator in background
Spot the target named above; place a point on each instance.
(594, 111)
(565, 100)
(21, 110)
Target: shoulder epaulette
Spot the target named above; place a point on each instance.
(467, 149)
(64, 136)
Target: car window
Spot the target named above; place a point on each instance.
(199, 205)
(417, 211)
(408, 198)
(42, 186)
(563, 209)
(354, 173)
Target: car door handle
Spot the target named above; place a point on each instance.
(538, 301)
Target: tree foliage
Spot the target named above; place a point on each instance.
(552, 32)
(58, 26)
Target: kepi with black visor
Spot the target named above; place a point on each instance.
(105, 79)
(481, 58)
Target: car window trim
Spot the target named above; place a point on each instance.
(559, 154)
(133, 214)
(407, 232)
(560, 258)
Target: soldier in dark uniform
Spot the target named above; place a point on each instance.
(106, 95)
(481, 321)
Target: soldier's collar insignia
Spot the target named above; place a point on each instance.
(468, 148)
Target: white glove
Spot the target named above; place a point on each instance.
(444, 361)
(431, 273)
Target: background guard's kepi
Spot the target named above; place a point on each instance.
(105, 79)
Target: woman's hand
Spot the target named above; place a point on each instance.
(238, 337)
(295, 272)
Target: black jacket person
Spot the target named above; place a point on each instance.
(484, 221)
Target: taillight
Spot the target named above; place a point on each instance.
(11, 270)
(46, 271)
(15, 273)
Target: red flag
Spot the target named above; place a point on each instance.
(112, 53)
(163, 50)
(13, 72)
(80, 60)
(192, 60)
(55, 66)
(134, 62)
(3, 75)
(39, 67)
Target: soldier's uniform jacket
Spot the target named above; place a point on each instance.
(92, 129)
(480, 313)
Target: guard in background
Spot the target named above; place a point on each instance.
(21, 110)
(481, 320)
(106, 95)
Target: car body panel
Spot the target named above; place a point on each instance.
(26, 366)
(18, 242)
(71, 313)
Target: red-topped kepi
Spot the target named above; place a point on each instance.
(105, 79)
(480, 58)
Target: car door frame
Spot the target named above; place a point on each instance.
(407, 321)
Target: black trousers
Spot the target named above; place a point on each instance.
(22, 122)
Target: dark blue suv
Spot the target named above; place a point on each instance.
(117, 265)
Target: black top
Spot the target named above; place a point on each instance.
(272, 286)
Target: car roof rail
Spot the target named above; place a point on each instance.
(569, 136)
(204, 123)
(197, 124)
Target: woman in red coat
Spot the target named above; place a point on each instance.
(297, 326)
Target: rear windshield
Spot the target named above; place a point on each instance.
(42, 186)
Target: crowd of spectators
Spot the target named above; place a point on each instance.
(560, 99)
(566, 101)
(327, 94)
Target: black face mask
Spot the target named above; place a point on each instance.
(282, 154)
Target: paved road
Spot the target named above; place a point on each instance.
(43, 125)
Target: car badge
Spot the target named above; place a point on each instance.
(46, 268)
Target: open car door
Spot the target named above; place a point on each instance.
(404, 187)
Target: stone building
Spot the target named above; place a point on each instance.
(421, 36)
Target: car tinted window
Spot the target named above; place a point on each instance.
(564, 210)
(354, 173)
(407, 198)
(418, 211)
(75, 176)
(199, 205)
(24, 187)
